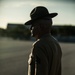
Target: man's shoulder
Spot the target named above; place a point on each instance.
(38, 42)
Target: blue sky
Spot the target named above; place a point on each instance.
(18, 11)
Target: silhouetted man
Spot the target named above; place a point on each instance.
(45, 57)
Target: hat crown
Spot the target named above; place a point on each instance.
(38, 12)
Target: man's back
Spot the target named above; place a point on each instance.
(48, 56)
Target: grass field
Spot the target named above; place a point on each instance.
(14, 56)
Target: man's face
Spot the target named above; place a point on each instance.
(34, 31)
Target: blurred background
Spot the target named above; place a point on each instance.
(16, 41)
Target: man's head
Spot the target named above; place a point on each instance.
(41, 27)
(41, 21)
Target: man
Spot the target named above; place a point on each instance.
(45, 57)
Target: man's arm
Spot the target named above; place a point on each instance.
(41, 61)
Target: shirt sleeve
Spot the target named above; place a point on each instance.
(40, 60)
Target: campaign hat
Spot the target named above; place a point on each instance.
(39, 12)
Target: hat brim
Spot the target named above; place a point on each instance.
(51, 15)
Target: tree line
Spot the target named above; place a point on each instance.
(23, 33)
(63, 31)
(15, 31)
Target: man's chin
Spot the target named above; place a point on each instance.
(32, 35)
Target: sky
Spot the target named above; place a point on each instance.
(18, 11)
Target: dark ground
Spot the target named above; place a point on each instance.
(14, 56)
